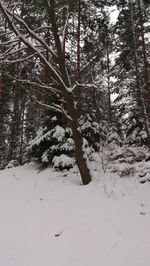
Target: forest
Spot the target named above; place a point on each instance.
(74, 132)
(74, 78)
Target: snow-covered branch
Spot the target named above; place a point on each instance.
(63, 111)
(42, 28)
(88, 85)
(37, 84)
(11, 51)
(31, 32)
(56, 108)
(19, 60)
(9, 16)
(9, 42)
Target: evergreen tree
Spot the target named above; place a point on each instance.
(131, 102)
(57, 70)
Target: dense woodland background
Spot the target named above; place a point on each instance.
(104, 64)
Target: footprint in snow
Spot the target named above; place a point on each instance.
(143, 213)
(59, 233)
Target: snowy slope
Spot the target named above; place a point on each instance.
(48, 219)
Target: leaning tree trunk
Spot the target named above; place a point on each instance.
(59, 75)
(78, 141)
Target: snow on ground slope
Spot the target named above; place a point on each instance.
(49, 219)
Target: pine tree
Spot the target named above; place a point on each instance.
(130, 80)
(59, 75)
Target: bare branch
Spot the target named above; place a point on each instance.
(56, 108)
(19, 60)
(55, 75)
(33, 83)
(31, 32)
(42, 28)
(9, 42)
(8, 52)
(86, 85)
(63, 111)
(5, 33)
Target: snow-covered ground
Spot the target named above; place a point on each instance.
(49, 219)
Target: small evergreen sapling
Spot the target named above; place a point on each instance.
(54, 139)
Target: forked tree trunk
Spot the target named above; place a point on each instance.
(61, 77)
(78, 141)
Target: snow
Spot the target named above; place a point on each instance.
(48, 218)
(114, 12)
(63, 161)
(59, 133)
(45, 157)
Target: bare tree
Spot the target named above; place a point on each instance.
(32, 40)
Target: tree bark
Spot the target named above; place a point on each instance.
(145, 61)
(139, 93)
(1, 93)
(59, 74)
(79, 154)
(14, 130)
(108, 79)
(78, 44)
(64, 18)
(2, 102)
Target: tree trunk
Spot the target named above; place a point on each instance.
(14, 131)
(145, 61)
(64, 18)
(15, 123)
(79, 155)
(1, 94)
(78, 141)
(2, 102)
(78, 44)
(58, 73)
(22, 121)
(139, 93)
(108, 80)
